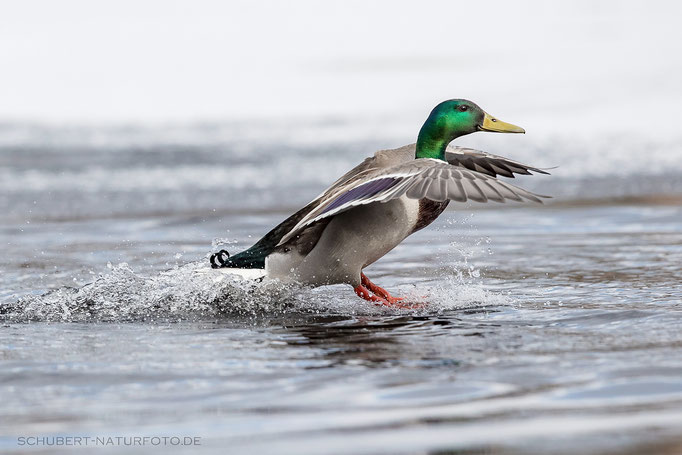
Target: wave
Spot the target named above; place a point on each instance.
(182, 294)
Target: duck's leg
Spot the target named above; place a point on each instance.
(378, 290)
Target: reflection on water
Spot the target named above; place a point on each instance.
(489, 378)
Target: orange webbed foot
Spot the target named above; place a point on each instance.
(373, 293)
(364, 293)
(379, 291)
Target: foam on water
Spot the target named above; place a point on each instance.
(182, 294)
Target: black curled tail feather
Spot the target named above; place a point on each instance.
(249, 259)
(220, 259)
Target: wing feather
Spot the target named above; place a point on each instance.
(493, 194)
(473, 191)
(487, 163)
(417, 179)
(457, 192)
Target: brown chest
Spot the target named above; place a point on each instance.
(428, 211)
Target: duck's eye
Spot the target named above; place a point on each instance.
(463, 108)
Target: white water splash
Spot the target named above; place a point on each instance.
(182, 294)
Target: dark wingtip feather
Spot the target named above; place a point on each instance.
(543, 170)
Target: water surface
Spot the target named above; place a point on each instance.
(545, 329)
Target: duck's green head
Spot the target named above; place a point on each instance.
(452, 119)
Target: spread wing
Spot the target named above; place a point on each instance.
(416, 179)
(486, 163)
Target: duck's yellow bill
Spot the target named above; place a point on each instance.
(498, 126)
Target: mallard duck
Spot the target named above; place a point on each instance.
(376, 205)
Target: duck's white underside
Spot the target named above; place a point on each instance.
(351, 241)
(222, 273)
